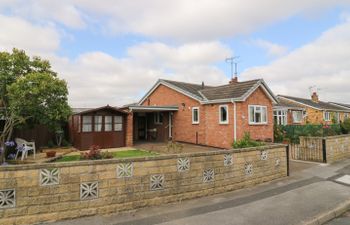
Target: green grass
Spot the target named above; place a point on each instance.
(120, 154)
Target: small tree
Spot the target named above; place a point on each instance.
(30, 93)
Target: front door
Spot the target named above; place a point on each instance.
(141, 124)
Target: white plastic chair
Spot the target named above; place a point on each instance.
(24, 147)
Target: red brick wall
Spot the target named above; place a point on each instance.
(129, 130)
(209, 131)
(261, 132)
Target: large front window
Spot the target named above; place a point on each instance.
(257, 114)
(87, 123)
(280, 117)
(223, 114)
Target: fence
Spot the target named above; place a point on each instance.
(48, 192)
(321, 149)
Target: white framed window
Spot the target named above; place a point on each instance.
(280, 117)
(108, 123)
(346, 116)
(257, 114)
(327, 116)
(158, 118)
(118, 123)
(195, 115)
(223, 114)
(337, 117)
(98, 123)
(297, 116)
(87, 123)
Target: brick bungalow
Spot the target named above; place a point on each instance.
(293, 110)
(200, 114)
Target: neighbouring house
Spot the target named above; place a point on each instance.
(104, 126)
(200, 114)
(293, 110)
(345, 106)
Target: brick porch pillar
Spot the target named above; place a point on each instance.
(129, 130)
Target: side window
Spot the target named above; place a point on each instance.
(118, 123)
(223, 114)
(87, 123)
(195, 115)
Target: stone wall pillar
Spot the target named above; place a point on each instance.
(129, 138)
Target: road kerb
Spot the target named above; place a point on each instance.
(325, 217)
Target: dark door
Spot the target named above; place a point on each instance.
(141, 124)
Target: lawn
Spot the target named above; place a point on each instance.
(118, 154)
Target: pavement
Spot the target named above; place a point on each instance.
(313, 194)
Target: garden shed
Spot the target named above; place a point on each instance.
(104, 126)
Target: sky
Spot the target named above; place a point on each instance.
(113, 51)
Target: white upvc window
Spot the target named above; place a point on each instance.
(118, 123)
(280, 117)
(337, 117)
(223, 114)
(297, 116)
(87, 124)
(346, 116)
(327, 116)
(195, 115)
(257, 114)
(158, 118)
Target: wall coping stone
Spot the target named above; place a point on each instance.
(135, 159)
(328, 137)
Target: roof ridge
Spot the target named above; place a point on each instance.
(166, 80)
(226, 85)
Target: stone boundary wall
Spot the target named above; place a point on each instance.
(38, 193)
(337, 147)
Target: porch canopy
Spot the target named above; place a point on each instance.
(152, 123)
(148, 108)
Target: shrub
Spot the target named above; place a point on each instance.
(345, 126)
(50, 144)
(246, 142)
(65, 143)
(95, 153)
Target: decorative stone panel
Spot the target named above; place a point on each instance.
(125, 170)
(208, 175)
(49, 176)
(248, 168)
(228, 159)
(157, 182)
(88, 190)
(7, 198)
(183, 164)
(264, 155)
(277, 162)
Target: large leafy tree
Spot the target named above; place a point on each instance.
(30, 93)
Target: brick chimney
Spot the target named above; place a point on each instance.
(234, 80)
(203, 85)
(314, 97)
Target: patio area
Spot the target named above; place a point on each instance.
(173, 147)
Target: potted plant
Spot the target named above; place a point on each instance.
(50, 154)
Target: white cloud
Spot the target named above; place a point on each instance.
(177, 19)
(272, 49)
(97, 78)
(323, 62)
(16, 32)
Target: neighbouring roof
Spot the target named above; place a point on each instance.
(89, 110)
(211, 94)
(347, 106)
(316, 105)
(284, 104)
